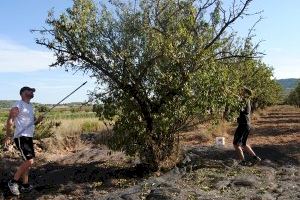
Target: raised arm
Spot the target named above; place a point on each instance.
(247, 108)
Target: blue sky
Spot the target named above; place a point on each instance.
(22, 62)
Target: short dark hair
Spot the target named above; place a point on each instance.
(26, 88)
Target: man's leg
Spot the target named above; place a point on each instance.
(25, 177)
(239, 152)
(23, 169)
(26, 187)
(25, 145)
(254, 158)
(249, 150)
(236, 142)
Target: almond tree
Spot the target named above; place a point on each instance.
(157, 64)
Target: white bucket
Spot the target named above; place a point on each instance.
(220, 141)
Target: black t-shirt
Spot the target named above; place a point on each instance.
(244, 117)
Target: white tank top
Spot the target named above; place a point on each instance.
(24, 122)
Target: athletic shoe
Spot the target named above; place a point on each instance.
(243, 163)
(14, 188)
(255, 159)
(26, 188)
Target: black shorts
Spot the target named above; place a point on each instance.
(241, 134)
(25, 146)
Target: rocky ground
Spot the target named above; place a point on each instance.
(93, 172)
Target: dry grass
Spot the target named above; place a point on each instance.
(258, 114)
(73, 127)
(222, 129)
(67, 136)
(280, 125)
(205, 134)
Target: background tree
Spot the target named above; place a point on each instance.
(259, 77)
(294, 96)
(160, 65)
(42, 108)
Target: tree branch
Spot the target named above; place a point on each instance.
(228, 22)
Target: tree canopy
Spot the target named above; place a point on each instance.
(160, 65)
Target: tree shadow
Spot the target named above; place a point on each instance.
(281, 116)
(271, 131)
(287, 154)
(279, 121)
(281, 155)
(53, 177)
(97, 138)
(7, 166)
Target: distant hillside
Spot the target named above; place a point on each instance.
(6, 103)
(69, 104)
(9, 103)
(288, 84)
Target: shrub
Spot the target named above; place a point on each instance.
(2, 135)
(90, 126)
(42, 108)
(46, 129)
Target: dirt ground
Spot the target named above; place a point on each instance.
(94, 172)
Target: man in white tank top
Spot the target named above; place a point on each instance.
(24, 122)
(22, 116)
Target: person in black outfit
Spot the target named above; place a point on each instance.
(243, 130)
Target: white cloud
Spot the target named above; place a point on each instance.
(18, 58)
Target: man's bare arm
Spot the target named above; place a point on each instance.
(13, 113)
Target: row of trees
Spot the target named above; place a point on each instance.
(294, 96)
(160, 65)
